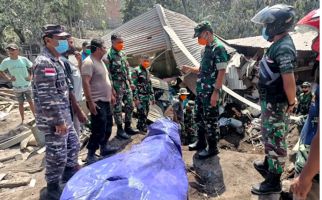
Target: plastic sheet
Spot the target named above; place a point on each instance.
(151, 170)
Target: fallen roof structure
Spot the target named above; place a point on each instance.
(302, 41)
(151, 33)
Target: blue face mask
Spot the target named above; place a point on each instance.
(62, 46)
(265, 36)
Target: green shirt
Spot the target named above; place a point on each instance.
(213, 58)
(143, 86)
(19, 69)
(282, 54)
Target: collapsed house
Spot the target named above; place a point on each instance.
(254, 47)
(167, 37)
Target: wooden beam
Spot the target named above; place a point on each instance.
(15, 140)
(15, 182)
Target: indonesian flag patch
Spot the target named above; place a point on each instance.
(50, 72)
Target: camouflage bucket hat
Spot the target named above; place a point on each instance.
(202, 26)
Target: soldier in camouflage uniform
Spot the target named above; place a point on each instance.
(304, 99)
(143, 93)
(211, 74)
(189, 123)
(121, 81)
(277, 93)
(53, 115)
(178, 110)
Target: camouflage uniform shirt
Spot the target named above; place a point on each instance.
(143, 86)
(51, 91)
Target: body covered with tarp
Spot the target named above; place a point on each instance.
(151, 170)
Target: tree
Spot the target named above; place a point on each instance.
(230, 18)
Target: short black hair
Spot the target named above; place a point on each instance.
(96, 43)
(115, 36)
(47, 35)
(85, 44)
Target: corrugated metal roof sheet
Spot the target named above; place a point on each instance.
(302, 41)
(142, 34)
(145, 34)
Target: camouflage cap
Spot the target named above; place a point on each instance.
(191, 103)
(12, 46)
(54, 29)
(202, 26)
(306, 84)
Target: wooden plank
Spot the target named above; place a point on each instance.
(32, 183)
(10, 91)
(7, 157)
(10, 107)
(15, 140)
(24, 143)
(2, 176)
(7, 99)
(7, 95)
(15, 182)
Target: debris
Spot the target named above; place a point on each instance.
(2, 176)
(3, 115)
(16, 157)
(15, 140)
(155, 113)
(4, 94)
(32, 142)
(24, 143)
(37, 151)
(39, 136)
(7, 99)
(32, 183)
(15, 182)
(8, 91)
(12, 180)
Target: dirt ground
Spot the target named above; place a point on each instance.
(236, 159)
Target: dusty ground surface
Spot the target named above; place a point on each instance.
(236, 159)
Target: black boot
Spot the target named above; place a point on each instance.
(68, 173)
(271, 185)
(105, 151)
(223, 131)
(211, 149)
(121, 133)
(91, 157)
(200, 143)
(129, 130)
(53, 191)
(261, 167)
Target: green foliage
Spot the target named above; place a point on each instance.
(230, 18)
(21, 20)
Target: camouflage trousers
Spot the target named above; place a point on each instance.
(61, 150)
(125, 96)
(189, 133)
(143, 111)
(274, 128)
(205, 116)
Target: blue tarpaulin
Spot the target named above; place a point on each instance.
(151, 170)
